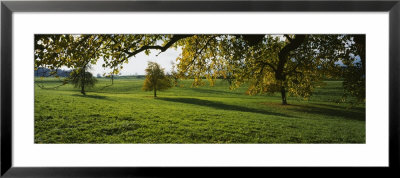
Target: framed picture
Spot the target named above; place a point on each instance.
(136, 88)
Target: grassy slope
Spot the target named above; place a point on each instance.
(123, 113)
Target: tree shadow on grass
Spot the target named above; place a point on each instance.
(215, 92)
(93, 96)
(331, 110)
(357, 108)
(113, 89)
(220, 105)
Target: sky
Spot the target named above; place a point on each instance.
(138, 64)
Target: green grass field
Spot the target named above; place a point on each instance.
(123, 113)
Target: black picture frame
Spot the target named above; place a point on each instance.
(8, 7)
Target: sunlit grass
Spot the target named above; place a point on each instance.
(123, 113)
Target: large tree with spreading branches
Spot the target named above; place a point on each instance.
(292, 64)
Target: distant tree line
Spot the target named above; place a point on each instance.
(46, 72)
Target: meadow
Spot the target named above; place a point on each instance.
(124, 113)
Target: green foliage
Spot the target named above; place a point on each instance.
(72, 51)
(354, 78)
(275, 63)
(270, 63)
(156, 79)
(191, 115)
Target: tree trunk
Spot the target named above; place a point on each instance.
(83, 89)
(83, 80)
(283, 93)
(360, 42)
(283, 55)
(155, 86)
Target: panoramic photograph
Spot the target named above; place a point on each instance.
(199, 88)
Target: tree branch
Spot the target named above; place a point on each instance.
(284, 53)
(173, 40)
(288, 37)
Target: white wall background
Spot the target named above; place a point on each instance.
(373, 153)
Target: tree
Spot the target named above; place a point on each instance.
(80, 78)
(354, 75)
(155, 79)
(73, 51)
(292, 64)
